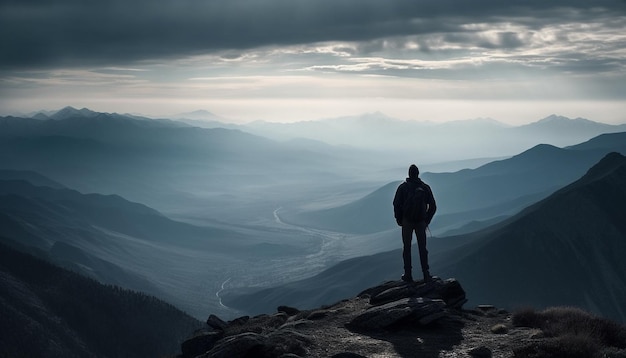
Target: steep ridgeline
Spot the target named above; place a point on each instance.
(565, 250)
(111, 239)
(48, 311)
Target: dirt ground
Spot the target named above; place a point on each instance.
(466, 333)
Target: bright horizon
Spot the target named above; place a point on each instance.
(510, 113)
(286, 61)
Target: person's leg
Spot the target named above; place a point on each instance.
(407, 237)
(420, 232)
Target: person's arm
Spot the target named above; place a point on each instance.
(432, 206)
(398, 204)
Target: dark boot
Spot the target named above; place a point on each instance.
(427, 276)
(407, 277)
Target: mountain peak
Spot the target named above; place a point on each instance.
(553, 118)
(200, 114)
(606, 166)
(562, 120)
(69, 111)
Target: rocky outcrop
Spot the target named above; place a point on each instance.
(288, 332)
(260, 336)
(398, 319)
(409, 303)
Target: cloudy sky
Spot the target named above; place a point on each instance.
(286, 60)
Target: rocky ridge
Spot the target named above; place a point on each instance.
(394, 319)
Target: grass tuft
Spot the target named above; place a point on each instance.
(570, 332)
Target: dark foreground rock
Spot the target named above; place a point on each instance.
(398, 319)
(288, 332)
(409, 303)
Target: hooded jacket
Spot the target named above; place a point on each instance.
(401, 194)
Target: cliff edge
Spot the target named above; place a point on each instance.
(418, 319)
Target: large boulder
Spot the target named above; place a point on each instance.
(419, 309)
(419, 302)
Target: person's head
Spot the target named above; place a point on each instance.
(414, 172)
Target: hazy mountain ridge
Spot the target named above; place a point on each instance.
(430, 142)
(162, 161)
(499, 188)
(565, 249)
(31, 177)
(51, 312)
(111, 239)
(109, 211)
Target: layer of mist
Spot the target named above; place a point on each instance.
(193, 212)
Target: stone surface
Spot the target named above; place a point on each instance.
(216, 323)
(200, 344)
(441, 329)
(413, 309)
(236, 346)
(290, 311)
(480, 352)
(417, 302)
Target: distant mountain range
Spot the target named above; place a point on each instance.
(406, 141)
(429, 142)
(565, 249)
(163, 161)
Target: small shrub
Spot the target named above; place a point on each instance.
(527, 317)
(572, 332)
(561, 347)
(613, 353)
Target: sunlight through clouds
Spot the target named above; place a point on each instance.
(296, 51)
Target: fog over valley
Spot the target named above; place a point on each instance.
(193, 211)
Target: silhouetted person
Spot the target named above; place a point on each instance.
(414, 207)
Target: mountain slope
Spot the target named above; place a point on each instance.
(566, 249)
(51, 312)
(166, 164)
(110, 212)
(119, 242)
(502, 187)
(31, 177)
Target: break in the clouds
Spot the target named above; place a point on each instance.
(40, 33)
(275, 50)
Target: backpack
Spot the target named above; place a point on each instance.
(415, 203)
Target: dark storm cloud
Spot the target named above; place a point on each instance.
(40, 33)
